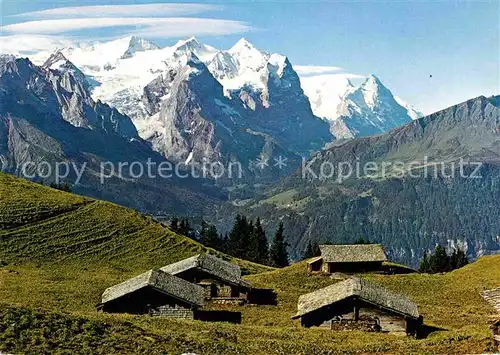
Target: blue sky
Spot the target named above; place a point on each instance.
(402, 42)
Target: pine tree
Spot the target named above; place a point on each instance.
(259, 248)
(458, 259)
(222, 243)
(184, 227)
(237, 238)
(213, 238)
(209, 236)
(439, 261)
(204, 233)
(362, 240)
(424, 264)
(278, 253)
(316, 249)
(312, 250)
(174, 224)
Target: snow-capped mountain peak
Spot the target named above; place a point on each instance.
(371, 89)
(366, 109)
(190, 44)
(248, 56)
(325, 93)
(412, 111)
(55, 61)
(223, 65)
(278, 62)
(242, 45)
(203, 52)
(124, 72)
(137, 44)
(373, 80)
(371, 109)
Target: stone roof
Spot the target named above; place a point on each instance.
(160, 281)
(221, 269)
(356, 287)
(352, 253)
(493, 298)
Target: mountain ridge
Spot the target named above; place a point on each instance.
(48, 117)
(242, 70)
(445, 192)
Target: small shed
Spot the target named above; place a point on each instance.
(220, 279)
(359, 304)
(155, 292)
(349, 258)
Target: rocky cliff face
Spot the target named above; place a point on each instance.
(62, 93)
(47, 117)
(211, 102)
(199, 124)
(137, 44)
(250, 91)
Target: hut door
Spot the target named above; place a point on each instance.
(213, 290)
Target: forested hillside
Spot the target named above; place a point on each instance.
(407, 216)
(437, 197)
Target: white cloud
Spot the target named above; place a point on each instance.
(305, 70)
(136, 10)
(28, 44)
(151, 27)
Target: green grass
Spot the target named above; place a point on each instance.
(45, 226)
(64, 250)
(286, 199)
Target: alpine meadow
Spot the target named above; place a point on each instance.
(249, 177)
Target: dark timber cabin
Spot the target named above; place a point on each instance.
(358, 304)
(155, 292)
(352, 258)
(220, 279)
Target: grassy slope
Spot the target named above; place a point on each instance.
(62, 295)
(69, 249)
(48, 227)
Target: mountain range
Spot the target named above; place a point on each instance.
(260, 93)
(47, 117)
(130, 101)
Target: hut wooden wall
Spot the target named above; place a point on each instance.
(342, 316)
(144, 301)
(173, 312)
(213, 286)
(315, 266)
